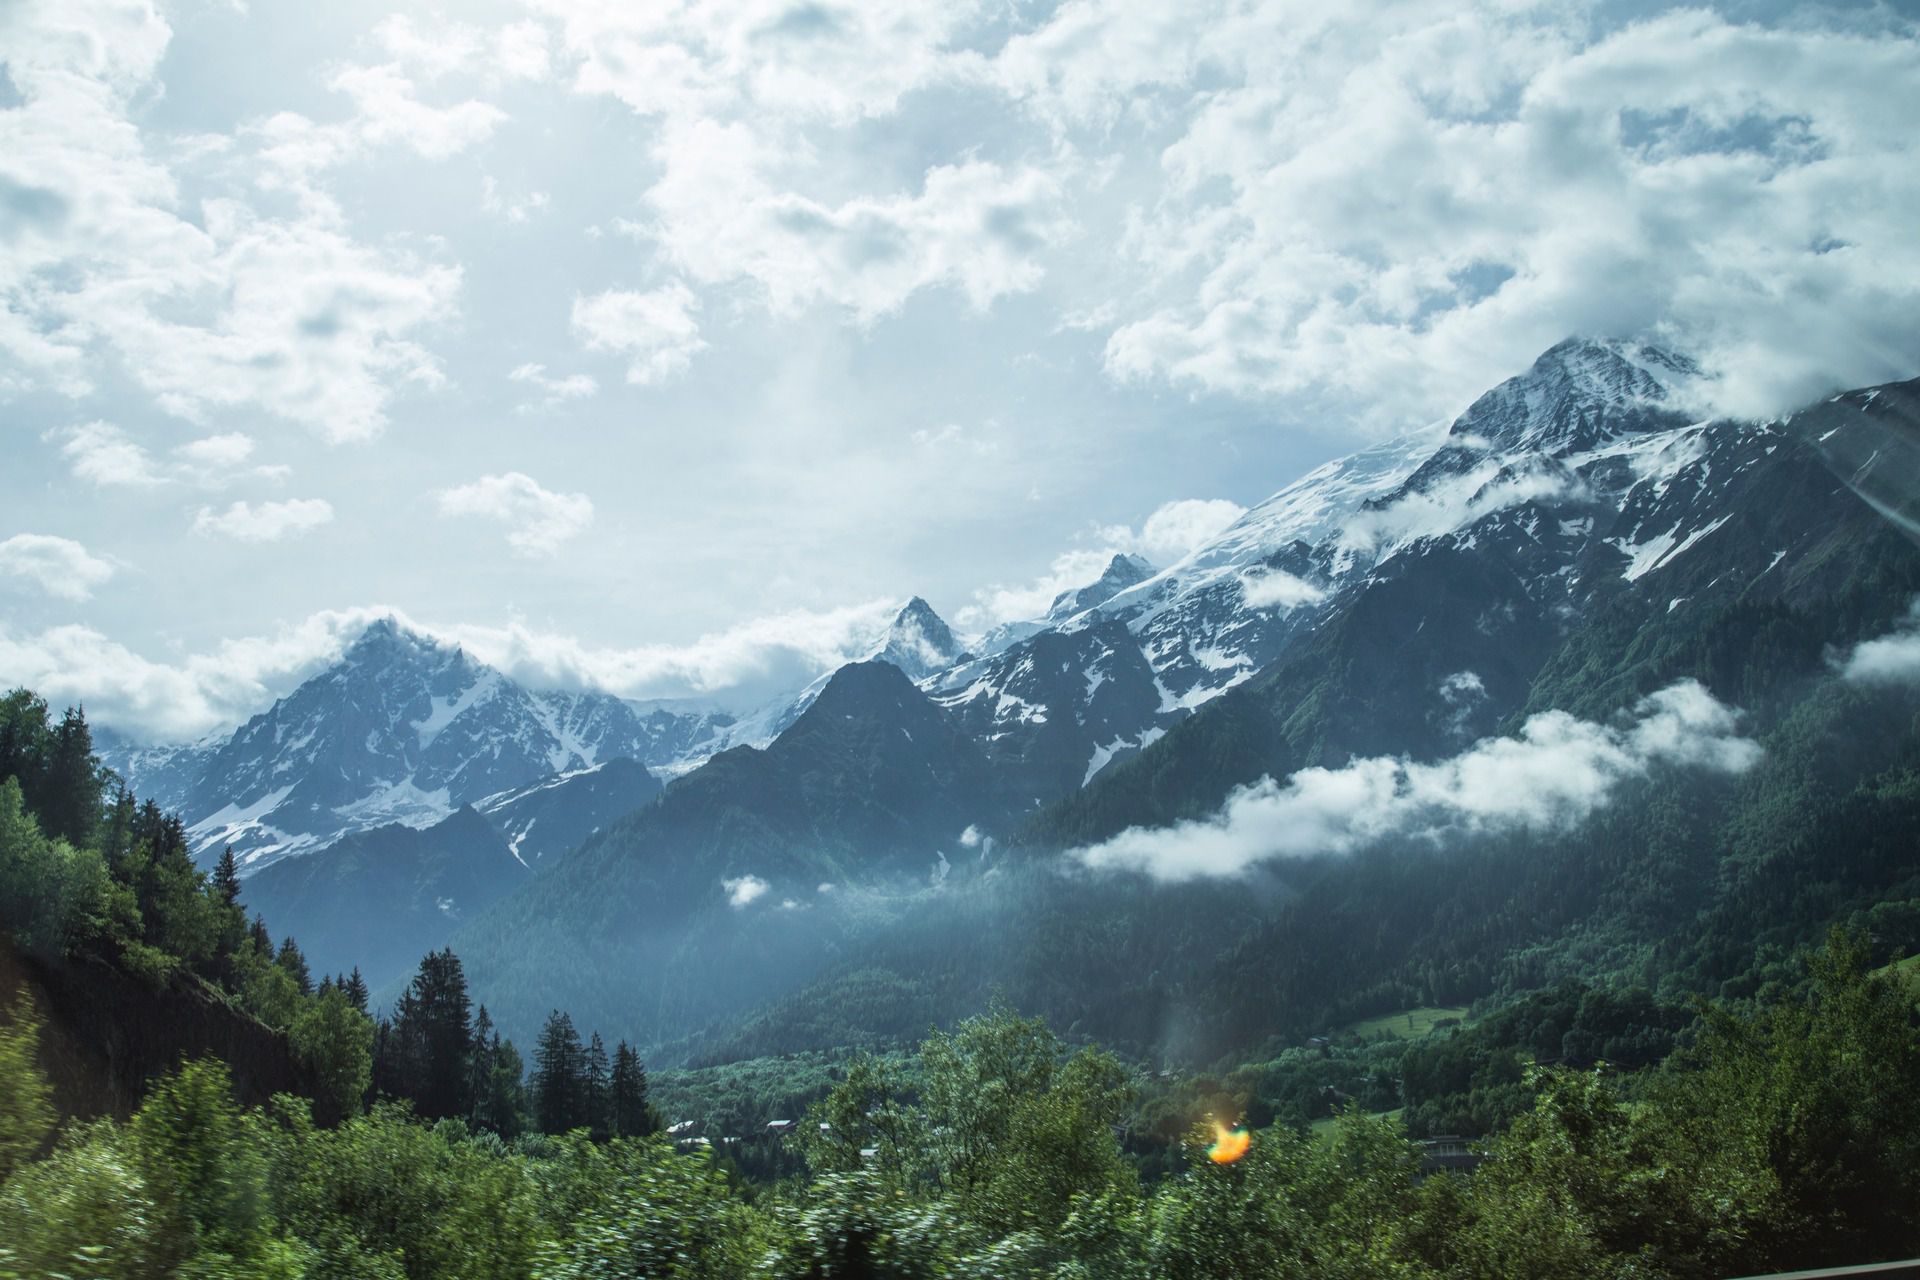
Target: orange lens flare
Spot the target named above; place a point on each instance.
(1229, 1144)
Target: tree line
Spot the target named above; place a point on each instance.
(86, 867)
(1782, 1138)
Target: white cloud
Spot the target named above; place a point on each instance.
(746, 94)
(742, 890)
(175, 701)
(977, 227)
(513, 209)
(1388, 207)
(539, 519)
(102, 454)
(744, 665)
(58, 566)
(514, 51)
(386, 111)
(1448, 503)
(1549, 778)
(268, 522)
(205, 305)
(553, 391)
(1177, 528)
(219, 453)
(1173, 530)
(656, 329)
(820, 63)
(1278, 589)
(751, 660)
(1069, 571)
(520, 51)
(1888, 659)
(1463, 694)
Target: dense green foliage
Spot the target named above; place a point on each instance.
(118, 883)
(85, 870)
(1784, 1137)
(1636, 1135)
(26, 1116)
(1631, 1127)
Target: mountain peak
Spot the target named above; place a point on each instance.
(874, 692)
(916, 609)
(919, 642)
(1122, 571)
(1578, 392)
(1613, 367)
(388, 635)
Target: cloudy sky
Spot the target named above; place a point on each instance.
(662, 346)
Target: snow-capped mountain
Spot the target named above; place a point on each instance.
(917, 640)
(401, 729)
(542, 821)
(1572, 541)
(1122, 571)
(1577, 480)
(1579, 474)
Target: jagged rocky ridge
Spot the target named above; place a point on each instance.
(401, 729)
(1403, 600)
(1579, 478)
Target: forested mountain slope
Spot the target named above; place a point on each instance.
(718, 890)
(1571, 547)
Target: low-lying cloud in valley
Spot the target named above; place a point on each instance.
(1557, 771)
(1890, 659)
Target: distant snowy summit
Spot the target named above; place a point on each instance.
(403, 728)
(1581, 477)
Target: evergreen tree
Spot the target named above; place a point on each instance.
(25, 743)
(116, 833)
(75, 789)
(396, 1071)
(356, 988)
(595, 1093)
(628, 1114)
(480, 1064)
(559, 1076)
(334, 1041)
(262, 940)
(434, 1026)
(226, 878)
(295, 964)
(506, 1107)
(148, 823)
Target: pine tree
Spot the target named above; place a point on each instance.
(26, 744)
(595, 1089)
(75, 788)
(559, 1073)
(290, 959)
(395, 1072)
(226, 878)
(149, 823)
(116, 836)
(629, 1115)
(262, 940)
(506, 1106)
(434, 1026)
(356, 988)
(480, 1065)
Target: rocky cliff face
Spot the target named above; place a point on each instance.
(108, 1033)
